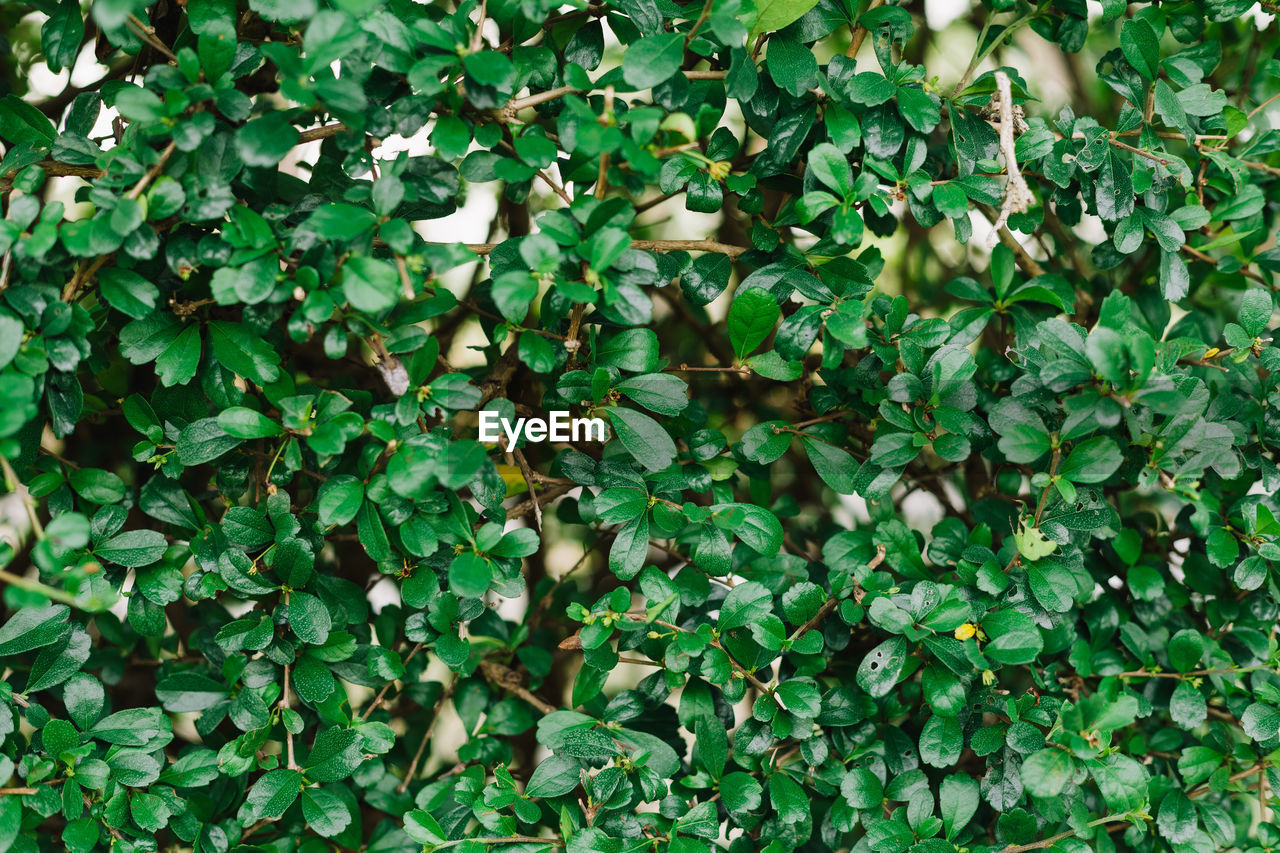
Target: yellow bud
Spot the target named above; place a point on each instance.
(988, 677)
(966, 631)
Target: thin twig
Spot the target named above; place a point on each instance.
(860, 32)
(507, 679)
(148, 34)
(426, 737)
(540, 98)
(1072, 833)
(138, 188)
(377, 700)
(1260, 107)
(829, 606)
(527, 472)
(1201, 256)
(697, 25)
(13, 484)
(1161, 160)
(284, 705)
(1017, 195)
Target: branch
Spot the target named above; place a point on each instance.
(1243, 774)
(829, 606)
(644, 245)
(860, 32)
(527, 472)
(1201, 256)
(506, 839)
(323, 132)
(1049, 842)
(377, 700)
(1017, 195)
(507, 679)
(689, 246)
(152, 173)
(526, 507)
(284, 704)
(426, 737)
(148, 34)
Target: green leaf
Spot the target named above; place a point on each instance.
(1256, 307)
(1261, 721)
(712, 746)
(309, 618)
(32, 628)
(133, 548)
(773, 15)
(1187, 706)
(178, 363)
(554, 777)
(635, 350)
(740, 793)
(658, 392)
(128, 292)
(829, 165)
(341, 221)
(190, 691)
(746, 603)
(1047, 773)
(21, 122)
(59, 736)
(339, 499)
(1023, 435)
(423, 828)
(133, 727)
(1114, 190)
(792, 66)
(862, 789)
(98, 486)
(1185, 649)
(1200, 100)
(265, 141)
(274, 792)
(652, 60)
(643, 437)
(880, 669)
(758, 528)
(371, 285)
(837, 468)
(1091, 461)
(246, 423)
(751, 319)
(244, 354)
(1141, 47)
(61, 35)
(1177, 819)
(470, 575)
(335, 755)
(941, 741)
(1121, 780)
(1014, 638)
(957, 802)
(203, 441)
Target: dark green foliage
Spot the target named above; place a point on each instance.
(266, 589)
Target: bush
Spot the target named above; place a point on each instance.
(268, 590)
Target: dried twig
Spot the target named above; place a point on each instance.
(1017, 195)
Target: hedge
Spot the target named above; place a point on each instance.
(937, 507)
